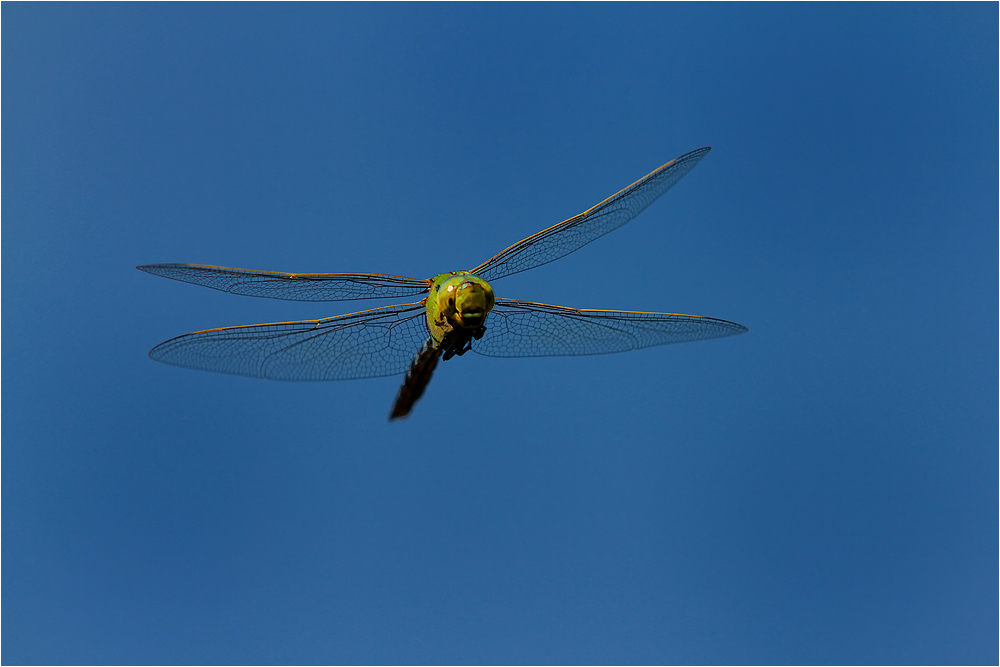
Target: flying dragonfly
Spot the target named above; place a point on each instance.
(459, 313)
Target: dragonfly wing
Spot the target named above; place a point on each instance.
(562, 239)
(372, 343)
(292, 286)
(525, 329)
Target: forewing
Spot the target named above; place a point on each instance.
(292, 286)
(368, 344)
(525, 329)
(562, 239)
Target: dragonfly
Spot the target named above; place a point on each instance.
(459, 313)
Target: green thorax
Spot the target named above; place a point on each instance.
(458, 301)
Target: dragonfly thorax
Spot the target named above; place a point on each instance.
(458, 300)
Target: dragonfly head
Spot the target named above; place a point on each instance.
(473, 302)
(465, 300)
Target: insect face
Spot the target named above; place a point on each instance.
(463, 300)
(473, 301)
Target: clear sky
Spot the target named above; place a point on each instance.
(822, 489)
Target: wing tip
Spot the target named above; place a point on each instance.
(155, 268)
(159, 352)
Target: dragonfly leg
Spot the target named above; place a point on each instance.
(457, 343)
(450, 346)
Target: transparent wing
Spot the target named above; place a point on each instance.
(562, 239)
(368, 344)
(525, 329)
(292, 286)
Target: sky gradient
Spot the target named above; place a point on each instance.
(822, 489)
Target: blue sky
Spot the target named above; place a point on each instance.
(820, 490)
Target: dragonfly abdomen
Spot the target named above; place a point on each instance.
(417, 378)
